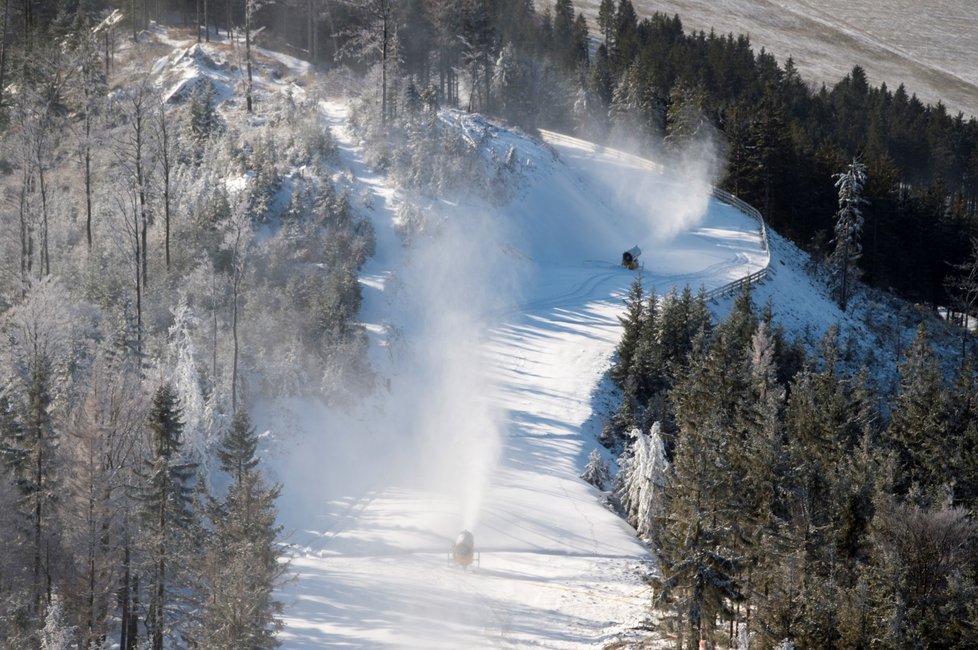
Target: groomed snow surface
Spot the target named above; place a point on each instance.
(490, 336)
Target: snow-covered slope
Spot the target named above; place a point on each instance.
(929, 46)
(490, 335)
(491, 338)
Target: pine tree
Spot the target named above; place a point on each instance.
(695, 541)
(961, 434)
(631, 323)
(564, 31)
(169, 519)
(844, 260)
(243, 565)
(919, 423)
(606, 22)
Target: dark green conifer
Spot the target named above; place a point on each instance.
(243, 564)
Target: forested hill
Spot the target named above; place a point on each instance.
(177, 244)
(629, 78)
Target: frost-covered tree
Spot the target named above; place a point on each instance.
(597, 472)
(38, 359)
(103, 445)
(168, 517)
(844, 259)
(243, 565)
(641, 480)
(925, 574)
(57, 634)
(919, 423)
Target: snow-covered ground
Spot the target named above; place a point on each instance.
(929, 46)
(491, 338)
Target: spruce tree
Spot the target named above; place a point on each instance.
(243, 565)
(606, 22)
(169, 520)
(919, 423)
(695, 542)
(631, 323)
(844, 260)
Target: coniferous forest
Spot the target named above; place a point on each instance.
(783, 496)
(146, 303)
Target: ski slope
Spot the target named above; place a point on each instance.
(490, 335)
(491, 338)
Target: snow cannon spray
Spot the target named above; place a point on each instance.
(463, 550)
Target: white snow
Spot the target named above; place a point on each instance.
(491, 339)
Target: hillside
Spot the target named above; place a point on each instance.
(420, 325)
(491, 332)
(827, 38)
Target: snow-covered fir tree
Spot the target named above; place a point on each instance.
(847, 250)
(243, 564)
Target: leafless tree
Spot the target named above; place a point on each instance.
(165, 153)
(133, 156)
(103, 444)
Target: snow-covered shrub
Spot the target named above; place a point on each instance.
(597, 472)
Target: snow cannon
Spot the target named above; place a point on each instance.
(629, 259)
(463, 550)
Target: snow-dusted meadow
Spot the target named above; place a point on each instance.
(929, 46)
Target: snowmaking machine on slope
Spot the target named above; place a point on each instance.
(463, 551)
(629, 259)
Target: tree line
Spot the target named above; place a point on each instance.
(785, 499)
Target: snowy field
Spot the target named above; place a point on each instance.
(494, 334)
(930, 46)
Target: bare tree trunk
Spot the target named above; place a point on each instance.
(88, 175)
(139, 281)
(843, 298)
(248, 92)
(311, 30)
(207, 24)
(124, 643)
(45, 249)
(214, 323)
(166, 165)
(234, 335)
(383, 65)
(3, 48)
(26, 239)
(139, 116)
